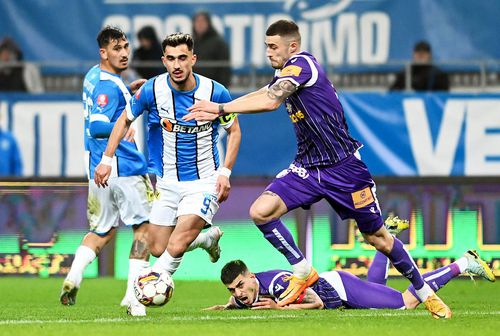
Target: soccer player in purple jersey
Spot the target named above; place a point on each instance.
(337, 289)
(326, 166)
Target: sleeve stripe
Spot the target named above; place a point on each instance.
(99, 117)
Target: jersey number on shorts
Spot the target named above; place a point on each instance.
(206, 205)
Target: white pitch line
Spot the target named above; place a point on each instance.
(229, 318)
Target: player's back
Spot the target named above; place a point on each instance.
(105, 97)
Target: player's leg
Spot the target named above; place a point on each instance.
(187, 229)
(102, 215)
(379, 267)
(358, 294)
(351, 191)
(470, 263)
(291, 189)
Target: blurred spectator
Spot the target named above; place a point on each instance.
(210, 47)
(424, 75)
(10, 162)
(11, 68)
(149, 51)
(16, 75)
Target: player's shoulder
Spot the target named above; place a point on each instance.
(301, 60)
(274, 281)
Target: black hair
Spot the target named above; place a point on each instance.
(176, 39)
(231, 270)
(284, 28)
(210, 29)
(422, 46)
(108, 34)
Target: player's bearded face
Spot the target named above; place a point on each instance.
(179, 62)
(277, 51)
(116, 54)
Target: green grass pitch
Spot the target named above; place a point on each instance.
(30, 306)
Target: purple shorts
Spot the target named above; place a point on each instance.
(348, 187)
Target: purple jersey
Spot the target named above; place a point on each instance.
(273, 283)
(317, 115)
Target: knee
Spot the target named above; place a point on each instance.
(381, 243)
(259, 213)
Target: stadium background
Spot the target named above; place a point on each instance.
(435, 156)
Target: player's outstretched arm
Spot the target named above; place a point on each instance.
(233, 145)
(263, 100)
(230, 305)
(103, 170)
(311, 300)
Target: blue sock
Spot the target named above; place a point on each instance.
(279, 236)
(403, 262)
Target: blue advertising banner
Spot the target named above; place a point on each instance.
(403, 134)
(353, 33)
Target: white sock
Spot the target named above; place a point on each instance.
(135, 266)
(167, 262)
(462, 263)
(200, 241)
(302, 269)
(84, 255)
(424, 292)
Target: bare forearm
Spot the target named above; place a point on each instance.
(254, 102)
(119, 130)
(232, 145)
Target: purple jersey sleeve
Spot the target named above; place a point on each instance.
(272, 283)
(298, 70)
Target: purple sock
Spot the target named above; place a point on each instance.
(403, 262)
(279, 236)
(378, 270)
(438, 278)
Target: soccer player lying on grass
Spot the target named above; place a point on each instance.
(336, 289)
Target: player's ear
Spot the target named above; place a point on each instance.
(164, 61)
(193, 60)
(103, 53)
(293, 47)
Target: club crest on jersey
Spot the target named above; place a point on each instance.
(102, 100)
(170, 126)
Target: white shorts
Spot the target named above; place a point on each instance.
(179, 198)
(125, 197)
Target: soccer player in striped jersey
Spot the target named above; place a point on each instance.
(337, 289)
(191, 181)
(326, 166)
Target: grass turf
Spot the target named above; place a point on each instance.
(30, 306)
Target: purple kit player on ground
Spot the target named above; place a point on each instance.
(326, 165)
(336, 289)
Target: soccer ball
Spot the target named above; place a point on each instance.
(153, 289)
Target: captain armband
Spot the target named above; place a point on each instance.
(227, 118)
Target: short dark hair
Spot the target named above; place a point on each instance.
(108, 34)
(176, 39)
(422, 46)
(284, 28)
(231, 270)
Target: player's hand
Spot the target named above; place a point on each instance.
(136, 85)
(101, 175)
(203, 110)
(222, 188)
(129, 136)
(265, 303)
(217, 307)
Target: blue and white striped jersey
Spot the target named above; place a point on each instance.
(105, 96)
(180, 150)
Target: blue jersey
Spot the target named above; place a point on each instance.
(10, 162)
(180, 150)
(105, 96)
(273, 283)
